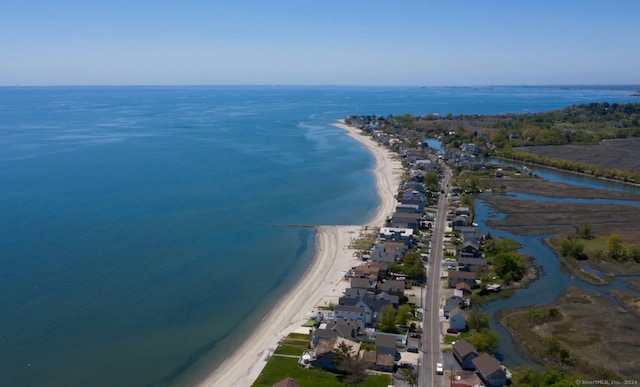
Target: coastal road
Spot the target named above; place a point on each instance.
(431, 324)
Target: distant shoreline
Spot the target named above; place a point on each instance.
(321, 283)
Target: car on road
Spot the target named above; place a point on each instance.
(439, 369)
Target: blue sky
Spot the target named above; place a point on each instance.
(345, 42)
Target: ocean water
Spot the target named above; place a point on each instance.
(145, 230)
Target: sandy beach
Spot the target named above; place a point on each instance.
(321, 284)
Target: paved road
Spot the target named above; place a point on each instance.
(431, 323)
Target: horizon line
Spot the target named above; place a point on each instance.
(324, 85)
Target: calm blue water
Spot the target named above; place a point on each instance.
(143, 228)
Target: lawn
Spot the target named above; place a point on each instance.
(279, 368)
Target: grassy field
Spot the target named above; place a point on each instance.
(609, 154)
(283, 365)
(600, 339)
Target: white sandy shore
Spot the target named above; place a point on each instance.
(321, 284)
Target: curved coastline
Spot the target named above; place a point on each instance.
(321, 283)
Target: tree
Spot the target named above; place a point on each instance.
(485, 340)
(348, 362)
(410, 376)
(615, 248)
(477, 320)
(388, 319)
(404, 314)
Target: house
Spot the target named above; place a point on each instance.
(326, 347)
(378, 362)
(388, 251)
(361, 313)
(372, 303)
(464, 353)
(405, 220)
(413, 186)
(351, 330)
(391, 286)
(386, 344)
(408, 208)
(404, 235)
(462, 211)
(471, 234)
(472, 264)
(468, 250)
(464, 288)
(287, 382)
(452, 303)
(455, 277)
(362, 283)
(414, 197)
(490, 370)
(367, 271)
(356, 293)
(458, 319)
(458, 221)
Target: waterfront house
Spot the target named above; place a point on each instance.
(458, 319)
(355, 292)
(455, 277)
(471, 234)
(472, 264)
(405, 220)
(462, 211)
(464, 353)
(404, 235)
(490, 370)
(452, 303)
(464, 288)
(391, 286)
(362, 283)
(324, 351)
(458, 221)
(414, 197)
(468, 250)
(408, 208)
(362, 313)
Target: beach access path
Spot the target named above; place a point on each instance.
(322, 283)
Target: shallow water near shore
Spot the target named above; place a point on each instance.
(144, 229)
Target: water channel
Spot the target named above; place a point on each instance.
(553, 278)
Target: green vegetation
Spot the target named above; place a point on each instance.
(506, 262)
(567, 165)
(280, 367)
(387, 321)
(411, 266)
(353, 369)
(529, 377)
(404, 314)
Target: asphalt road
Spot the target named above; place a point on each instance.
(431, 323)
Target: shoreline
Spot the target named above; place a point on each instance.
(321, 283)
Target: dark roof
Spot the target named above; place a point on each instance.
(463, 348)
(385, 340)
(461, 274)
(487, 364)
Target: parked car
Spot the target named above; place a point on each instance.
(415, 335)
(452, 330)
(439, 369)
(412, 349)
